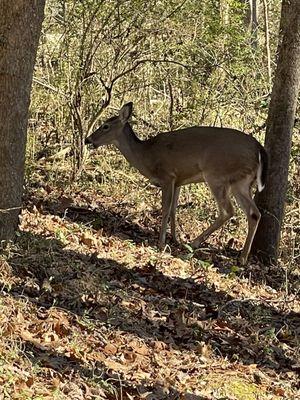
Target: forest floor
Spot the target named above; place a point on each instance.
(91, 309)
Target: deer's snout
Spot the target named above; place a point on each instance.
(87, 141)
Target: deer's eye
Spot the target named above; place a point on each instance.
(105, 127)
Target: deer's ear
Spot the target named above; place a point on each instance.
(125, 112)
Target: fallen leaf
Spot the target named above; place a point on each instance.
(55, 383)
(139, 348)
(279, 391)
(115, 366)
(62, 327)
(30, 381)
(110, 349)
(87, 239)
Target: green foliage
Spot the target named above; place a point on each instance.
(181, 62)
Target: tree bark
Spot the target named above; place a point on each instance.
(280, 125)
(20, 27)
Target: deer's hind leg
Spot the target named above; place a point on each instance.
(173, 213)
(242, 193)
(221, 194)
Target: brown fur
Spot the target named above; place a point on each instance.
(226, 159)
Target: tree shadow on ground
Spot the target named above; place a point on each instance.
(119, 224)
(69, 367)
(276, 277)
(181, 312)
(109, 221)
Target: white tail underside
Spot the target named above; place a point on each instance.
(259, 172)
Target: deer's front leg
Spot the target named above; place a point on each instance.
(167, 199)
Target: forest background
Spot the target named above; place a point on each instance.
(92, 309)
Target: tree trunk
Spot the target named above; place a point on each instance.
(280, 124)
(20, 27)
(251, 19)
(254, 23)
(267, 41)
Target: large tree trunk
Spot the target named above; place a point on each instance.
(280, 124)
(20, 27)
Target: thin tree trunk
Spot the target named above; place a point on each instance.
(267, 41)
(251, 19)
(254, 23)
(280, 124)
(20, 26)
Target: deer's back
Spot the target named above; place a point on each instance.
(193, 152)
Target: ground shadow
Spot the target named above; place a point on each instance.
(113, 222)
(67, 366)
(179, 312)
(107, 220)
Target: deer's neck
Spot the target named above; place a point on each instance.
(133, 149)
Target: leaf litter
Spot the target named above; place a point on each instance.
(90, 309)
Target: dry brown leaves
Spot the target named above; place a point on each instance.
(90, 311)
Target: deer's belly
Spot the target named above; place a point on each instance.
(197, 177)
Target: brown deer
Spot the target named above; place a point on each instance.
(229, 161)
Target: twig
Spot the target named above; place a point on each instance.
(6, 210)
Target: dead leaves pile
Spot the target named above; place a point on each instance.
(89, 314)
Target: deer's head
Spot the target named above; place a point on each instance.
(111, 130)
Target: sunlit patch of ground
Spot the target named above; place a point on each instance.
(90, 309)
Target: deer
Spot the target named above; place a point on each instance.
(227, 160)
